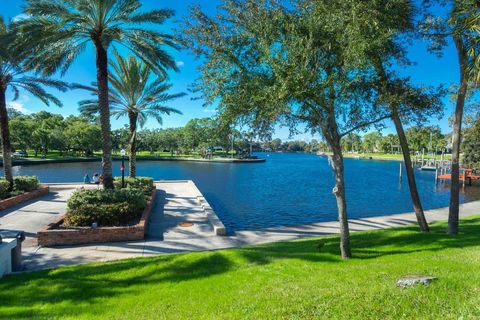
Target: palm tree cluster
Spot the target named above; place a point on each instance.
(132, 95)
(56, 32)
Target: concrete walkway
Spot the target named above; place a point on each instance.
(176, 202)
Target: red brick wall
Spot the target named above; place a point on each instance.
(13, 201)
(50, 236)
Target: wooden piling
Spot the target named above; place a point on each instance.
(400, 171)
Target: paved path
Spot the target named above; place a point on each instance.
(33, 215)
(176, 202)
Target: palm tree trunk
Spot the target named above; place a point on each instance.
(417, 205)
(453, 213)
(103, 104)
(5, 131)
(133, 143)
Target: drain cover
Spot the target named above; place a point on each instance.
(185, 224)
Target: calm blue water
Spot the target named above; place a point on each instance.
(287, 189)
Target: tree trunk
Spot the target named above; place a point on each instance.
(103, 105)
(133, 143)
(339, 192)
(5, 131)
(417, 205)
(453, 213)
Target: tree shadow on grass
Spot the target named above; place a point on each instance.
(369, 244)
(71, 290)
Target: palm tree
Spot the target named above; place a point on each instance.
(59, 31)
(13, 76)
(133, 95)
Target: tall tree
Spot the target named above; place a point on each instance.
(404, 101)
(14, 77)
(461, 26)
(266, 63)
(135, 95)
(57, 32)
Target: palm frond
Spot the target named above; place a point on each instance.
(154, 16)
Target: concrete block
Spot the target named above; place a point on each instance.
(6, 248)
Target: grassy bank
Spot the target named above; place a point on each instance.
(296, 280)
(57, 155)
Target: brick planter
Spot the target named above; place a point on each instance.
(52, 236)
(13, 201)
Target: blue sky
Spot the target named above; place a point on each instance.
(428, 70)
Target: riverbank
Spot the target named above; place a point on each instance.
(384, 156)
(35, 161)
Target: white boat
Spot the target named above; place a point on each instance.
(428, 168)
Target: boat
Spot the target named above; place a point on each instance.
(428, 168)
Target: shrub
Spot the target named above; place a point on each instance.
(4, 185)
(25, 183)
(106, 207)
(143, 183)
(106, 214)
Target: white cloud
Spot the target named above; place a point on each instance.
(20, 17)
(179, 63)
(207, 110)
(19, 105)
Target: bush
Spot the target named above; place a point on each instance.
(143, 183)
(4, 185)
(25, 183)
(105, 207)
(106, 214)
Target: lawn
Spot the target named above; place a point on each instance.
(55, 154)
(302, 279)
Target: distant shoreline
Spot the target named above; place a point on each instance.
(28, 162)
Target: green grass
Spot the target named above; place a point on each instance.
(55, 154)
(302, 279)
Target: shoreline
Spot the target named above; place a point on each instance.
(25, 162)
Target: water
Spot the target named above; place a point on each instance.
(287, 189)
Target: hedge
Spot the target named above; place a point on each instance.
(143, 183)
(105, 207)
(21, 184)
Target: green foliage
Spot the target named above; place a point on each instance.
(425, 138)
(57, 32)
(25, 183)
(142, 183)
(21, 184)
(114, 214)
(4, 186)
(471, 146)
(372, 141)
(106, 207)
(135, 93)
(43, 131)
(13, 71)
(82, 135)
